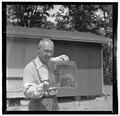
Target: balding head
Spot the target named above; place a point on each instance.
(45, 49)
(45, 42)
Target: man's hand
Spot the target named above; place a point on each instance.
(60, 59)
(53, 88)
(64, 58)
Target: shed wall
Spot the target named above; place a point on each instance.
(15, 53)
(87, 56)
(88, 59)
(21, 51)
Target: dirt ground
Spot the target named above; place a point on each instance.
(103, 103)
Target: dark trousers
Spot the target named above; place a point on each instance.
(48, 103)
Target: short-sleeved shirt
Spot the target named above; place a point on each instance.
(31, 76)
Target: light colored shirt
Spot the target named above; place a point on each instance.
(33, 86)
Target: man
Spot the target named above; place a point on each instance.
(39, 79)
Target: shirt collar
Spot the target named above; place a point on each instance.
(38, 62)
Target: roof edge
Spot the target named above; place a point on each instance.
(13, 33)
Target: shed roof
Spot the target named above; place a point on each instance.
(25, 32)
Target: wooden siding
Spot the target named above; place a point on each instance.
(14, 85)
(16, 72)
(89, 82)
(15, 53)
(30, 50)
(22, 51)
(85, 55)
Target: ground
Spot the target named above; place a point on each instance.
(103, 103)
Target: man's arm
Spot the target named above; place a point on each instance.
(34, 91)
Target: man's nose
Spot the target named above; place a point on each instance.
(49, 54)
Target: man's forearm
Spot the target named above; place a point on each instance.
(34, 91)
(60, 59)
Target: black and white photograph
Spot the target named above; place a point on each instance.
(60, 57)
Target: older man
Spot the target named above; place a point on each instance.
(39, 79)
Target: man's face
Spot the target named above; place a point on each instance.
(45, 52)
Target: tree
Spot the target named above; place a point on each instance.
(108, 64)
(85, 18)
(29, 15)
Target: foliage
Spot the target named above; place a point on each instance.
(93, 18)
(29, 15)
(108, 64)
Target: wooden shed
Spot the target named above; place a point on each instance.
(83, 48)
